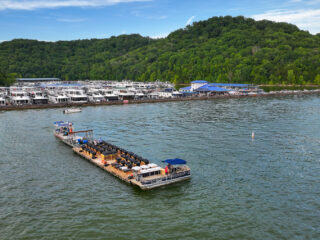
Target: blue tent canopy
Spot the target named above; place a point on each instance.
(229, 84)
(58, 122)
(62, 123)
(175, 161)
(186, 88)
(210, 88)
(199, 81)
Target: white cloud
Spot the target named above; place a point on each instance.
(138, 13)
(306, 19)
(162, 17)
(311, 2)
(71, 20)
(305, 2)
(189, 20)
(36, 4)
(153, 17)
(161, 35)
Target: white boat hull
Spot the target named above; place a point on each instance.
(76, 110)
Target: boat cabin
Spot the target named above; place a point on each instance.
(19, 98)
(38, 97)
(2, 101)
(77, 95)
(147, 172)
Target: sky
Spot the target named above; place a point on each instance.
(53, 20)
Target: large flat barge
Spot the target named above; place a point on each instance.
(119, 162)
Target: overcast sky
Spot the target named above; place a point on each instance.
(52, 20)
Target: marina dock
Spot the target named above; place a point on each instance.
(194, 98)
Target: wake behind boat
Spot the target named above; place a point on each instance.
(121, 163)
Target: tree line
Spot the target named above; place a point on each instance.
(220, 49)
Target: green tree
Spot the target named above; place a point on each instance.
(7, 79)
(220, 49)
(317, 79)
(291, 77)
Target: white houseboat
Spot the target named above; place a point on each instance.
(124, 94)
(19, 97)
(95, 96)
(38, 97)
(76, 95)
(170, 93)
(2, 100)
(58, 97)
(109, 95)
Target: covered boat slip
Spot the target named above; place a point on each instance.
(121, 163)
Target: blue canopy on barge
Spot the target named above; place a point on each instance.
(175, 161)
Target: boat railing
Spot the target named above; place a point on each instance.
(169, 177)
(88, 134)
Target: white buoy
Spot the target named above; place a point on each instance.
(252, 135)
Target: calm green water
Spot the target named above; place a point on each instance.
(266, 188)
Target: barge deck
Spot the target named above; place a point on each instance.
(125, 165)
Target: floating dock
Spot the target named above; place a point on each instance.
(123, 164)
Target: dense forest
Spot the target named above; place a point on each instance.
(220, 49)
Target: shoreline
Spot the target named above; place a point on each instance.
(93, 104)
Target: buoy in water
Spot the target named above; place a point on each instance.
(252, 135)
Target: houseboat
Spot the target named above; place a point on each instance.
(58, 97)
(109, 95)
(95, 96)
(76, 95)
(19, 97)
(2, 100)
(38, 97)
(124, 94)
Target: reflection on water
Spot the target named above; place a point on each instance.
(266, 188)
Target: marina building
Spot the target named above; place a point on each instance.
(203, 87)
(197, 84)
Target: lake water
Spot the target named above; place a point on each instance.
(266, 188)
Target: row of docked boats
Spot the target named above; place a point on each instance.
(21, 97)
(79, 93)
(119, 162)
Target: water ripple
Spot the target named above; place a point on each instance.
(266, 188)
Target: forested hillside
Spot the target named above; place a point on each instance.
(67, 60)
(220, 49)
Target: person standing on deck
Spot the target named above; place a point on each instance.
(166, 170)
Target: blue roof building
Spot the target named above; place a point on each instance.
(230, 85)
(209, 88)
(185, 89)
(202, 86)
(199, 81)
